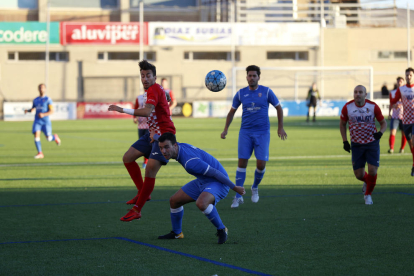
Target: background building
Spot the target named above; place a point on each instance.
(271, 34)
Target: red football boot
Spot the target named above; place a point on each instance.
(131, 215)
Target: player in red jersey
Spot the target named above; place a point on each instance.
(159, 120)
(361, 114)
(406, 94)
(396, 116)
(142, 122)
(168, 91)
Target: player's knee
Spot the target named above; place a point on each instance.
(201, 205)
(173, 203)
(126, 158)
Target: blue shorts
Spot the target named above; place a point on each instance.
(196, 187)
(150, 150)
(365, 153)
(259, 142)
(409, 131)
(396, 123)
(44, 126)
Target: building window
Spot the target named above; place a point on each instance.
(302, 55)
(210, 56)
(126, 56)
(38, 56)
(391, 55)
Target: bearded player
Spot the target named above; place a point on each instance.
(159, 120)
(361, 114)
(406, 94)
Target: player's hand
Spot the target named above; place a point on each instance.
(135, 120)
(25, 111)
(282, 134)
(152, 132)
(240, 190)
(41, 115)
(223, 134)
(378, 135)
(116, 108)
(347, 146)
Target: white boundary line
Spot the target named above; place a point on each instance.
(219, 159)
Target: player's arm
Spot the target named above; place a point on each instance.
(197, 166)
(383, 123)
(229, 119)
(50, 112)
(393, 102)
(342, 129)
(280, 131)
(30, 109)
(142, 112)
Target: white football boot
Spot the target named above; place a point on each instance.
(236, 202)
(255, 195)
(368, 200)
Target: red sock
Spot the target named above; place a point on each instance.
(412, 151)
(392, 141)
(403, 141)
(364, 179)
(144, 193)
(135, 173)
(371, 182)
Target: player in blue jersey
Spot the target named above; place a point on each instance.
(44, 108)
(255, 129)
(211, 185)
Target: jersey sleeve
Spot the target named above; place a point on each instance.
(196, 166)
(236, 100)
(172, 96)
(378, 113)
(271, 97)
(152, 96)
(50, 104)
(344, 113)
(136, 104)
(396, 98)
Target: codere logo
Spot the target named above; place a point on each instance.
(22, 35)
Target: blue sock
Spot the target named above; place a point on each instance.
(51, 138)
(38, 145)
(258, 176)
(212, 214)
(177, 219)
(240, 178)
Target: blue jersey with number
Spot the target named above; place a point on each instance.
(42, 105)
(255, 107)
(197, 162)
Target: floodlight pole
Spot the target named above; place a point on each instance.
(321, 48)
(233, 46)
(408, 35)
(47, 45)
(141, 35)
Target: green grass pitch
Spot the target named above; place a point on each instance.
(60, 215)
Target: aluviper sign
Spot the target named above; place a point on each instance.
(28, 32)
(112, 33)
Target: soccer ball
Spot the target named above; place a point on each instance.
(215, 81)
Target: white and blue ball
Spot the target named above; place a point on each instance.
(215, 81)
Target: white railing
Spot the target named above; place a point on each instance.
(367, 14)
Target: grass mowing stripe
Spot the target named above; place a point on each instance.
(151, 246)
(160, 200)
(219, 159)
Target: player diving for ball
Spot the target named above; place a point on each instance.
(211, 185)
(255, 129)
